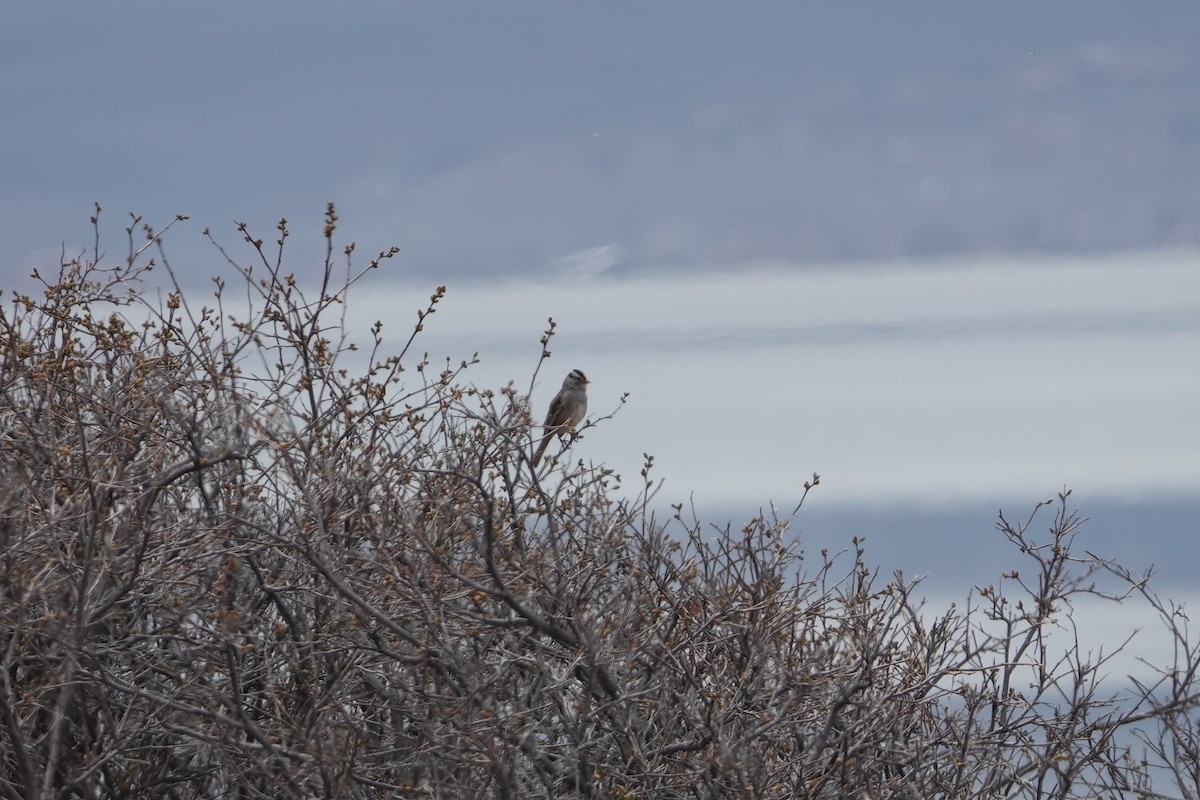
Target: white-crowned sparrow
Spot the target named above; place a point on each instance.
(567, 410)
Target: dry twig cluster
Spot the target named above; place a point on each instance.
(233, 567)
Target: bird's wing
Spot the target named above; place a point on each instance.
(556, 416)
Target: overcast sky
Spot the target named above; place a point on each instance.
(943, 253)
(515, 138)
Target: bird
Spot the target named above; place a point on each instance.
(567, 410)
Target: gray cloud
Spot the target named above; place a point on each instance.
(497, 143)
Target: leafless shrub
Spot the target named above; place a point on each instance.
(232, 567)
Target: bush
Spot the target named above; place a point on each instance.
(234, 567)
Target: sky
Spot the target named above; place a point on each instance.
(945, 254)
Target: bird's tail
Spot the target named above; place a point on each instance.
(537, 455)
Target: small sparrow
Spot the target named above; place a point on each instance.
(567, 410)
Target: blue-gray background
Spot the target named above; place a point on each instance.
(946, 254)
